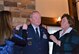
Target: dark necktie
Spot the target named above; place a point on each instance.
(37, 33)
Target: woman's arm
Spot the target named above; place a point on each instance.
(54, 39)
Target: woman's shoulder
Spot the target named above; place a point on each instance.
(7, 48)
(10, 43)
(74, 32)
(2, 49)
(74, 37)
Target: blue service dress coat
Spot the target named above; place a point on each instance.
(34, 44)
(68, 43)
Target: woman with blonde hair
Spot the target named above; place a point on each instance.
(5, 32)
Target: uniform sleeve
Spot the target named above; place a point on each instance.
(19, 37)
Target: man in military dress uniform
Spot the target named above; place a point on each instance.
(37, 36)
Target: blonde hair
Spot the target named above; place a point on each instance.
(5, 24)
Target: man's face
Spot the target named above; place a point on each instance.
(36, 19)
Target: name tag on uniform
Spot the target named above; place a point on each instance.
(44, 36)
(29, 38)
(29, 41)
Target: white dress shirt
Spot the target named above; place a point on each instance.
(35, 29)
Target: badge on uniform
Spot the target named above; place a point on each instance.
(44, 36)
(29, 41)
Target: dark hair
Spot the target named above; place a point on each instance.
(5, 24)
(69, 18)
